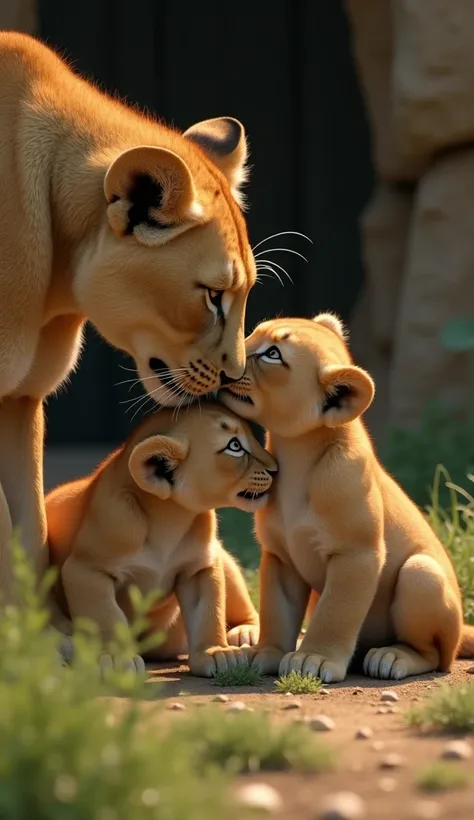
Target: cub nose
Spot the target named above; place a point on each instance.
(226, 379)
(272, 472)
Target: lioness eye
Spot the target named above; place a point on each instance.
(214, 301)
(271, 355)
(234, 448)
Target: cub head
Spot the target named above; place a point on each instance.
(300, 376)
(167, 277)
(207, 459)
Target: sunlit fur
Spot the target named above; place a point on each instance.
(337, 525)
(146, 517)
(78, 241)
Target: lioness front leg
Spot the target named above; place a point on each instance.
(351, 583)
(283, 600)
(241, 615)
(201, 599)
(91, 594)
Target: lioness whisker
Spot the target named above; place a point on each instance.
(284, 250)
(272, 263)
(281, 233)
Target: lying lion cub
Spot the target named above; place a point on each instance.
(146, 517)
(337, 524)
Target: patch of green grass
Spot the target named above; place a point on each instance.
(298, 684)
(239, 676)
(236, 531)
(448, 709)
(66, 752)
(250, 741)
(441, 776)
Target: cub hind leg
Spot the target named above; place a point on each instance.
(241, 615)
(427, 621)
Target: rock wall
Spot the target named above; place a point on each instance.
(415, 61)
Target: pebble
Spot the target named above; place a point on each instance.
(416, 699)
(357, 690)
(236, 706)
(260, 796)
(288, 694)
(324, 691)
(392, 710)
(457, 750)
(177, 707)
(378, 745)
(321, 723)
(343, 806)
(389, 696)
(221, 699)
(392, 761)
(295, 704)
(470, 670)
(382, 710)
(387, 784)
(364, 733)
(427, 810)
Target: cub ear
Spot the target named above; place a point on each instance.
(332, 322)
(153, 461)
(223, 140)
(150, 193)
(348, 390)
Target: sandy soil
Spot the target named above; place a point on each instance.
(352, 704)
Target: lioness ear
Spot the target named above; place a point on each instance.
(349, 391)
(331, 321)
(150, 194)
(223, 140)
(153, 461)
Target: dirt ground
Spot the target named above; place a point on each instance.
(388, 793)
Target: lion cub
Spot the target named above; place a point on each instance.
(337, 524)
(146, 517)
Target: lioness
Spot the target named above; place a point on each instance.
(146, 517)
(337, 523)
(110, 216)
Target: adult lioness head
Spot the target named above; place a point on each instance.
(206, 459)
(168, 278)
(299, 376)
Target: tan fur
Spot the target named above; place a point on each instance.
(131, 523)
(110, 216)
(337, 523)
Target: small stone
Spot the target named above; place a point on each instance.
(378, 745)
(295, 704)
(387, 784)
(357, 690)
(221, 699)
(260, 796)
(392, 761)
(427, 810)
(176, 707)
(392, 710)
(389, 696)
(457, 750)
(416, 699)
(364, 733)
(382, 710)
(321, 723)
(470, 670)
(343, 806)
(236, 706)
(324, 691)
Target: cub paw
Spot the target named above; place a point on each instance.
(267, 660)
(243, 635)
(386, 663)
(107, 663)
(216, 659)
(328, 671)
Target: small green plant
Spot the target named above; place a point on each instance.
(249, 742)
(66, 752)
(239, 676)
(298, 684)
(440, 777)
(448, 709)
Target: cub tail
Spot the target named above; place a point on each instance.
(466, 647)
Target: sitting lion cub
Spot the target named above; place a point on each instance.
(146, 517)
(336, 523)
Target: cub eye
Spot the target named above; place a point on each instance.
(234, 448)
(214, 301)
(271, 355)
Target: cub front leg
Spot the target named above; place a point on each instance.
(284, 597)
(351, 583)
(90, 594)
(201, 597)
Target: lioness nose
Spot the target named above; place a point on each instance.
(226, 379)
